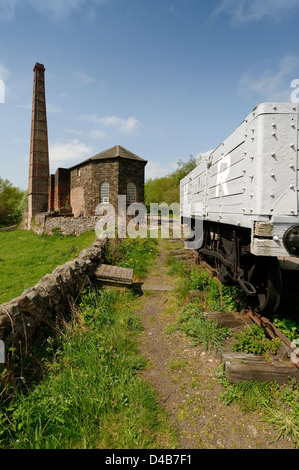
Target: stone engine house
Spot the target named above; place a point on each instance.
(99, 179)
(77, 190)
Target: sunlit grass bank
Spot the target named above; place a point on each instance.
(26, 257)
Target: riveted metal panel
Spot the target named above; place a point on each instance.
(252, 177)
(225, 186)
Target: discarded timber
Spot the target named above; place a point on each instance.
(116, 277)
(241, 367)
(229, 320)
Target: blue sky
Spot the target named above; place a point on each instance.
(164, 78)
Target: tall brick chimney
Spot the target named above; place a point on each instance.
(39, 173)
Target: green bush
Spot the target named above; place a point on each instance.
(287, 326)
(167, 188)
(218, 297)
(253, 340)
(12, 203)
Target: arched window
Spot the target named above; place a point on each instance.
(104, 192)
(131, 193)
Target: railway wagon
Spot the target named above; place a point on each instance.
(246, 193)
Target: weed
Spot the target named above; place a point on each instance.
(253, 340)
(204, 332)
(92, 396)
(217, 296)
(138, 254)
(177, 364)
(287, 326)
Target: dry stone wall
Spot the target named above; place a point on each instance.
(47, 223)
(22, 318)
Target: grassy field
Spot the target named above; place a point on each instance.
(92, 395)
(26, 257)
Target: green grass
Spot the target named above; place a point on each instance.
(93, 395)
(218, 297)
(278, 405)
(26, 257)
(138, 254)
(204, 332)
(253, 340)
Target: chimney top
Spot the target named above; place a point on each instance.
(39, 66)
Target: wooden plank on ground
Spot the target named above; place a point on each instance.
(229, 319)
(241, 367)
(114, 274)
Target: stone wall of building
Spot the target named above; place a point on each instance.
(131, 171)
(104, 171)
(23, 318)
(80, 182)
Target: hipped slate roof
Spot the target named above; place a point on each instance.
(114, 152)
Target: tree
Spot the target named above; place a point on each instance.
(10, 203)
(167, 188)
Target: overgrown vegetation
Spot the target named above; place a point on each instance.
(92, 395)
(138, 254)
(203, 332)
(216, 297)
(167, 188)
(287, 326)
(26, 257)
(277, 404)
(12, 203)
(253, 340)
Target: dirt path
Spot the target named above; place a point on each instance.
(185, 377)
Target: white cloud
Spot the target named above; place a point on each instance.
(51, 108)
(73, 151)
(83, 77)
(94, 134)
(4, 73)
(245, 11)
(155, 170)
(56, 10)
(273, 84)
(127, 126)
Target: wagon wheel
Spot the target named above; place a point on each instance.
(265, 276)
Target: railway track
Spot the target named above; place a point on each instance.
(291, 351)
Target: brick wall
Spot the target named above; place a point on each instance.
(80, 182)
(62, 189)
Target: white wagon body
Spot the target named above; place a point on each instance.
(252, 179)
